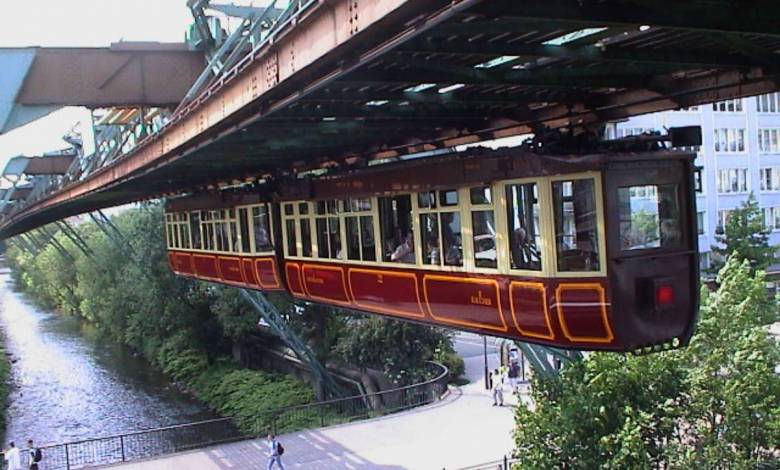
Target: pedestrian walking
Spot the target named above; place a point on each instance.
(276, 451)
(35, 455)
(513, 375)
(498, 388)
(12, 457)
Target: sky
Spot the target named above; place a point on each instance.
(83, 23)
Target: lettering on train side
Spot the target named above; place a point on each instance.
(315, 280)
(479, 299)
(380, 279)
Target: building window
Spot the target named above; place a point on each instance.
(723, 218)
(704, 261)
(733, 180)
(729, 140)
(700, 223)
(769, 140)
(769, 103)
(395, 224)
(440, 227)
(576, 225)
(523, 223)
(772, 217)
(770, 179)
(728, 106)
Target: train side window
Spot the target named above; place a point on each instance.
(261, 223)
(292, 243)
(243, 226)
(649, 217)
(576, 225)
(306, 237)
(195, 229)
(208, 230)
(441, 228)
(395, 224)
(221, 231)
(328, 229)
(359, 224)
(184, 228)
(523, 224)
(483, 227)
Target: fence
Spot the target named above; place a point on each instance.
(167, 440)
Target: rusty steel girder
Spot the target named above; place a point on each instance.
(125, 74)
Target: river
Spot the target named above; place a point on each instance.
(69, 383)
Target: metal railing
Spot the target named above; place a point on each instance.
(167, 440)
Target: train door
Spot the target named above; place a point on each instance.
(652, 249)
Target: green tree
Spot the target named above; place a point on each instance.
(396, 347)
(744, 236)
(715, 404)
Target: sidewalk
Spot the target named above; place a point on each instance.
(463, 429)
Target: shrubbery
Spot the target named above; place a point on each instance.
(714, 404)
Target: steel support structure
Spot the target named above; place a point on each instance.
(538, 358)
(276, 320)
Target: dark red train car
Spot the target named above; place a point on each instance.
(595, 252)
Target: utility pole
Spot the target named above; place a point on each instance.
(487, 375)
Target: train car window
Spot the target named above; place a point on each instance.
(243, 226)
(292, 243)
(426, 200)
(481, 195)
(168, 231)
(576, 225)
(649, 217)
(303, 208)
(523, 225)
(448, 197)
(429, 231)
(328, 229)
(289, 208)
(220, 229)
(195, 229)
(261, 223)
(184, 228)
(208, 230)
(359, 225)
(483, 223)
(441, 229)
(306, 237)
(395, 224)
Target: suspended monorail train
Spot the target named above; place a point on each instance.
(594, 252)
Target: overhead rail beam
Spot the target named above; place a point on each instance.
(337, 82)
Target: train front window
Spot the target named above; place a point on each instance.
(395, 222)
(576, 225)
(523, 225)
(649, 217)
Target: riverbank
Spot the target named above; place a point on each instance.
(5, 384)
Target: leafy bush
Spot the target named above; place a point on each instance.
(715, 404)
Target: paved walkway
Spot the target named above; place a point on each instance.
(461, 430)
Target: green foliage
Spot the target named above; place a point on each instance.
(395, 347)
(5, 388)
(125, 287)
(715, 404)
(745, 236)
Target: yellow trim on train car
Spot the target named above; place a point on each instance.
(386, 309)
(605, 318)
(482, 281)
(532, 286)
